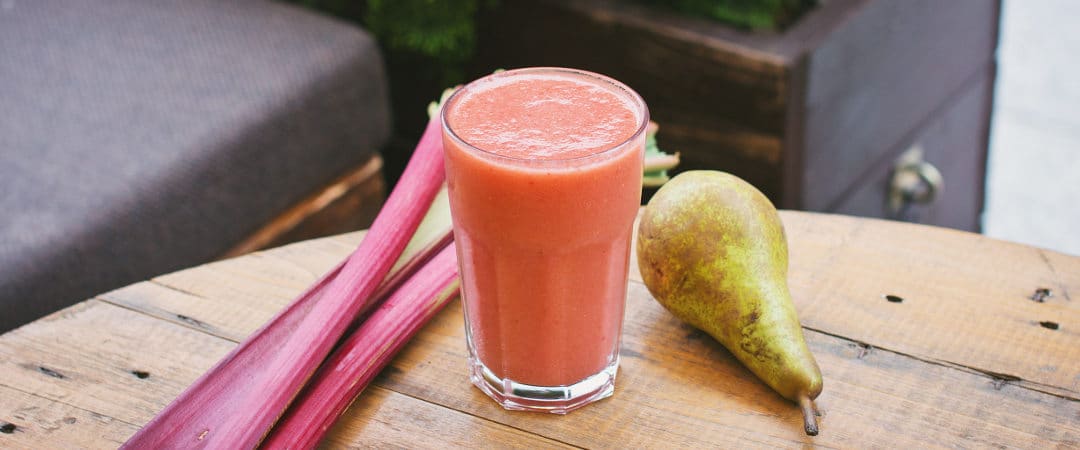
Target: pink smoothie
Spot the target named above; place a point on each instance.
(544, 171)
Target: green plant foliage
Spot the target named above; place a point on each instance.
(440, 31)
(752, 14)
(445, 30)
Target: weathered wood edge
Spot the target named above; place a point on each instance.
(942, 363)
(49, 370)
(294, 218)
(346, 241)
(90, 429)
(679, 388)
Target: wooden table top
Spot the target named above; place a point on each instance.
(966, 354)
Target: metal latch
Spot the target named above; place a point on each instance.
(914, 182)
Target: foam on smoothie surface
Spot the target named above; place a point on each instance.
(546, 116)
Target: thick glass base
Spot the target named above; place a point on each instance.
(551, 399)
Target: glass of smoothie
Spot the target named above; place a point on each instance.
(544, 171)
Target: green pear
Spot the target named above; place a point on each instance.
(712, 250)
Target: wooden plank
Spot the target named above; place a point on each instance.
(381, 418)
(967, 299)
(103, 370)
(679, 388)
(34, 422)
(232, 298)
(106, 359)
(226, 320)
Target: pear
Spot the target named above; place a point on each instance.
(712, 250)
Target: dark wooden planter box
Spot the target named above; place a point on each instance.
(814, 116)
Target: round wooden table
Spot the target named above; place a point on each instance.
(925, 336)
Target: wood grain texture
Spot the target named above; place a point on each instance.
(39, 423)
(89, 356)
(961, 361)
(678, 387)
(967, 299)
(381, 418)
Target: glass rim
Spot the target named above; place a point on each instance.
(619, 87)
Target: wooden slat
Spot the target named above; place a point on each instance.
(382, 418)
(967, 298)
(112, 369)
(234, 297)
(230, 298)
(106, 359)
(677, 387)
(38, 423)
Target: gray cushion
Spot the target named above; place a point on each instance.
(140, 137)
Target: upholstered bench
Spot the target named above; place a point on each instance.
(139, 137)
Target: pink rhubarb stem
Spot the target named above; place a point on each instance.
(234, 405)
(365, 353)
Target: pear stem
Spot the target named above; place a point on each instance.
(809, 413)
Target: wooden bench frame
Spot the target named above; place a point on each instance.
(348, 203)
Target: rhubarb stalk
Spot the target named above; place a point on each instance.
(365, 353)
(434, 233)
(235, 404)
